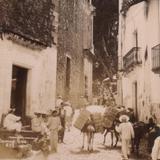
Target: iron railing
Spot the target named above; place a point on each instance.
(131, 58)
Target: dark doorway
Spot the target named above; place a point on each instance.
(18, 92)
(135, 99)
(68, 72)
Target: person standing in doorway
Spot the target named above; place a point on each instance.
(127, 134)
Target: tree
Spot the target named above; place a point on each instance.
(105, 37)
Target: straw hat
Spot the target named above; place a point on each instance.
(41, 112)
(11, 110)
(158, 125)
(60, 96)
(54, 112)
(67, 103)
(124, 118)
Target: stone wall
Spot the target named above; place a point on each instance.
(70, 44)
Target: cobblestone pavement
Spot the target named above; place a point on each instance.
(71, 150)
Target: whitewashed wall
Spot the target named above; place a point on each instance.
(148, 29)
(41, 83)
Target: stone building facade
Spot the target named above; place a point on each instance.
(74, 61)
(139, 57)
(27, 66)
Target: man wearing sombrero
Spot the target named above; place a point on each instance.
(12, 122)
(54, 125)
(36, 122)
(156, 147)
(127, 133)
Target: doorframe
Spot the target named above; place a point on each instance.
(28, 85)
(135, 98)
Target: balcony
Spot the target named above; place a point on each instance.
(156, 58)
(131, 58)
(128, 3)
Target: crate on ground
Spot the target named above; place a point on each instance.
(82, 119)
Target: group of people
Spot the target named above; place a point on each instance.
(127, 133)
(51, 124)
(54, 123)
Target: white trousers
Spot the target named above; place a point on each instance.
(126, 146)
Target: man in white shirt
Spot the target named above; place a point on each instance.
(127, 133)
(12, 122)
(156, 149)
(59, 101)
(69, 115)
(36, 122)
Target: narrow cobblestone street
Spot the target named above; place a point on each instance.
(71, 150)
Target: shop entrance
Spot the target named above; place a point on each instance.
(18, 91)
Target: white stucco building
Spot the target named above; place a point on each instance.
(139, 57)
(27, 64)
(28, 77)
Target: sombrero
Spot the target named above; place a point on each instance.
(11, 110)
(158, 125)
(40, 112)
(60, 96)
(67, 103)
(130, 109)
(123, 117)
(54, 111)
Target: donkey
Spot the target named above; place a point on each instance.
(140, 131)
(88, 131)
(113, 132)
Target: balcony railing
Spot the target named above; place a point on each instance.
(131, 58)
(128, 3)
(156, 58)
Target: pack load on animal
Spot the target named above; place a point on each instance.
(82, 119)
(109, 116)
(98, 121)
